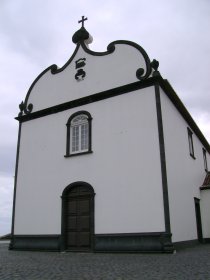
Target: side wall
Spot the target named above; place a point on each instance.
(205, 210)
(124, 168)
(185, 174)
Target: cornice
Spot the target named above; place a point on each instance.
(86, 100)
(170, 92)
(157, 79)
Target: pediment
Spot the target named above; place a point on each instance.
(88, 72)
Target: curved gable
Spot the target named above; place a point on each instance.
(86, 73)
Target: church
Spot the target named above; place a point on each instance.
(108, 158)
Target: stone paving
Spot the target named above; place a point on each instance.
(192, 263)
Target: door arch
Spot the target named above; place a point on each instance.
(77, 229)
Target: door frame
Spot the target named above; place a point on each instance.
(198, 219)
(63, 245)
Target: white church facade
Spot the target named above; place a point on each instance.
(108, 158)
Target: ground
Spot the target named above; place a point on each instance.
(192, 263)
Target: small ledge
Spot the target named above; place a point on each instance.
(78, 154)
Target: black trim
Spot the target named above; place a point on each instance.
(185, 244)
(15, 186)
(78, 154)
(87, 100)
(169, 91)
(24, 108)
(138, 242)
(205, 160)
(153, 242)
(54, 70)
(68, 134)
(190, 142)
(162, 160)
(64, 198)
(164, 84)
(45, 242)
(110, 49)
(74, 185)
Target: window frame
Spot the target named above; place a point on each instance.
(69, 126)
(205, 160)
(191, 145)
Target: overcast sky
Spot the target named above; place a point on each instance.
(35, 34)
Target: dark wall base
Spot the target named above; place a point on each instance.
(35, 242)
(190, 243)
(206, 240)
(185, 244)
(144, 242)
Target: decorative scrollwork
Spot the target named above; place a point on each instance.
(139, 73)
(155, 64)
(25, 109)
(54, 69)
(111, 48)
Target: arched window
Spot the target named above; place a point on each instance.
(78, 134)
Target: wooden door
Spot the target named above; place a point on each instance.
(198, 220)
(79, 219)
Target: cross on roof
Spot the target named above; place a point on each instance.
(82, 20)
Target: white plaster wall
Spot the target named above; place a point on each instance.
(185, 175)
(124, 168)
(205, 210)
(102, 73)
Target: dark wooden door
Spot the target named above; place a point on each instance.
(198, 220)
(79, 219)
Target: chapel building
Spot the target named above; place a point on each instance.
(108, 158)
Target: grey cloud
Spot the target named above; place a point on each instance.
(5, 225)
(7, 155)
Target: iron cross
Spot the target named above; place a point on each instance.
(82, 20)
